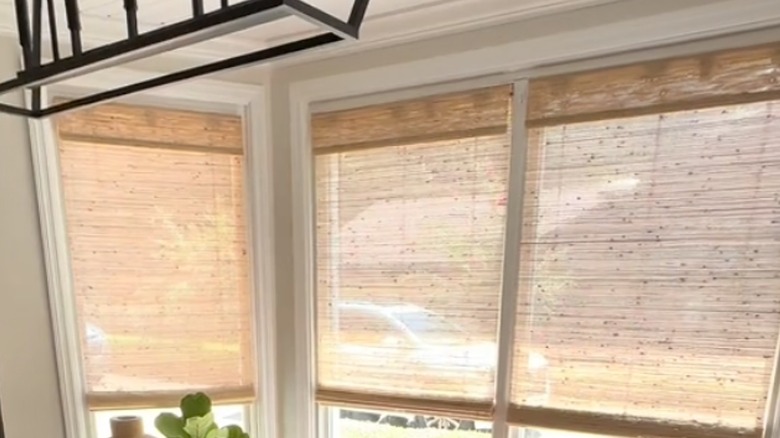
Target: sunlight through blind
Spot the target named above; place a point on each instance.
(410, 218)
(154, 202)
(650, 257)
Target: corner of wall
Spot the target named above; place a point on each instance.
(29, 390)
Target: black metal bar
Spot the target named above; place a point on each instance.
(216, 23)
(36, 100)
(23, 27)
(358, 13)
(321, 18)
(131, 15)
(55, 44)
(224, 3)
(37, 32)
(197, 8)
(10, 109)
(74, 25)
(257, 57)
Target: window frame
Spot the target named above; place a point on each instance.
(246, 101)
(325, 417)
(417, 80)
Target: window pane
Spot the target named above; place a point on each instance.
(223, 415)
(409, 267)
(367, 424)
(157, 235)
(650, 267)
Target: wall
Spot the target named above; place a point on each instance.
(29, 392)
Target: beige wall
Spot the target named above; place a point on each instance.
(28, 383)
(29, 392)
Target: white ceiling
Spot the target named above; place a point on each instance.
(387, 20)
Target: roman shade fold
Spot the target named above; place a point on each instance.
(729, 77)
(651, 249)
(154, 202)
(438, 118)
(410, 205)
(152, 127)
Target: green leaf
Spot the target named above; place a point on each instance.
(170, 425)
(199, 427)
(195, 405)
(232, 431)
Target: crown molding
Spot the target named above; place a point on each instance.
(699, 23)
(426, 21)
(389, 29)
(385, 32)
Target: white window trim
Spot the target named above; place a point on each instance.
(247, 101)
(511, 257)
(629, 41)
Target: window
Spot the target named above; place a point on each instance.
(154, 201)
(651, 249)
(410, 217)
(649, 245)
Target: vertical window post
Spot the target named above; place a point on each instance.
(511, 263)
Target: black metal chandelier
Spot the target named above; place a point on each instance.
(202, 26)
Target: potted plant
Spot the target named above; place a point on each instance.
(196, 421)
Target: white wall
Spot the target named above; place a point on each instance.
(29, 392)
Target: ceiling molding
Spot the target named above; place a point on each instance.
(695, 24)
(97, 31)
(393, 29)
(386, 29)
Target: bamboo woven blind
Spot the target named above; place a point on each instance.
(650, 260)
(154, 200)
(692, 82)
(410, 218)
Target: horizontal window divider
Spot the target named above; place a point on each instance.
(460, 409)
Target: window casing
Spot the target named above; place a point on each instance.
(171, 183)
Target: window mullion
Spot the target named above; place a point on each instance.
(511, 264)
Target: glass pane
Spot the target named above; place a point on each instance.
(649, 267)
(370, 424)
(223, 415)
(409, 267)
